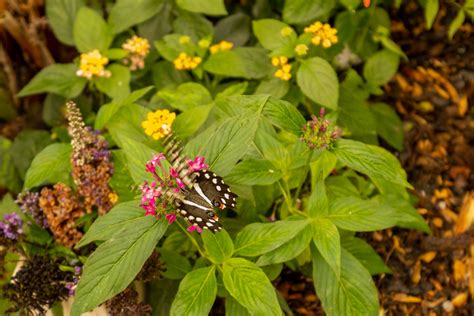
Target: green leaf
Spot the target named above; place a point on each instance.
(137, 156)
(367, 256)
(209, 7)
(284, 115)
(193, 24)
(196, 293)
(327, 240)
(126, 13)
(177, 266)
(188, 122)
(354, 214)
(164, 75)
(318, 81)
(371, 160)
(381, 67)
(275, 87)
(120, 217)
(431, 11)
(127, 123)
(118, 85)
(269, 34)
(51, 165)
(305, 11)
(115, 263)
(234, 28)
(245, 62)
(8, 205)
(219, 246)
(61, 15)
(289, 250)
(9, 177)
(90, 31)
(258, 238)
(249, 286)
(60, 79)
(353, 294)
(456, 23)
(233, 308)
(233, 90)
(389, 125)
(254, 172)
(392, 46)
(186, 96)
(320, 169)
(26, 145)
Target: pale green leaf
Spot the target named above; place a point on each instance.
(61, 15)
(218, 246)
(90, 31)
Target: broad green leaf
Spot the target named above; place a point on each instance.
(371, 160)
(275, 87)
(159, 25)
(115, 263)
(233, 308)
(126, 13)
(254, 172)
(127, 123)
(318, 200)
(9, 177)
(456, 23)
(8, 205)
(177, 266)
(258, 238)
(164, 75)
(121, 181)
(26, 145)
(327, 241)
(356, 214)
(353, 294)
(51, 165)
(233, 90)
(186, 96)
(249, 286)
(274, 34)
(381, 67)
(305, 11)
(90, 31)
(209, 7)
(288, 250)
(219, 247)
(61, 15)
(318, 81)
(284, 115)
(118, 85)
(137, 156)
(431, 11)
(367, 256)
(392, 46)
(120, 217)
(188, 122)
(234, 28)
(193, 24)
(60, 79)
(389, 125)
(196, 293)
(245, 62)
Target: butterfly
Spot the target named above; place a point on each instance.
(209, 192)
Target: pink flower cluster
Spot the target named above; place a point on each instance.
(154, 193)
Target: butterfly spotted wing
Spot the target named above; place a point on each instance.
(213, 190)
(197, 211)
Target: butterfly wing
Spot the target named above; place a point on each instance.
(213, 190)
(198, 212)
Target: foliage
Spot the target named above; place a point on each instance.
(243, 82)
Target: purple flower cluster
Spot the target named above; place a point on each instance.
(29, 204)
(11, 226)
(318, 133)
(169, 181)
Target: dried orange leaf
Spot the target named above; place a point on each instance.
(428, 256)
(416, 273)
(459, 300)
(466, 216)
(463, 105)
(402, 297)
(459, 270)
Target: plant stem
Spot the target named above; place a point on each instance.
(306, 166)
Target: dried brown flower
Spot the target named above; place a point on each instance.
(127, 303)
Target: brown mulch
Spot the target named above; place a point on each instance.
(433, 93)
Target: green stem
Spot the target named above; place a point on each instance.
(287, 196)
(298, 191)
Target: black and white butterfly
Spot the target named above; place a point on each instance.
(199, 204)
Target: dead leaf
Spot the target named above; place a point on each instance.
(402, 297)
(428, 256)
(466, 215)
(459, 300)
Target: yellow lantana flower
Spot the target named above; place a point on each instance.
(186, 62)
(204, 43)
(286, 31)
(301, 49)
(158, 123)
(222, 46)
(93, 64)
(184, 39)
(323, 34)
(138, 48)
(284, 71)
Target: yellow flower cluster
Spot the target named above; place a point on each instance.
(222, 46)
(204, 43)
(284, 71)
(184, 39)
(301, 49)
(286, 31)
(322, 34)
(93, 64)
(158, 123)
(138, 48)
(186, 62)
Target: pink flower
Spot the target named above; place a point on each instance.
(151, 164)
(171, 218)
(197, 164)
(174, 173)
(194, 227)
(180, 183)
